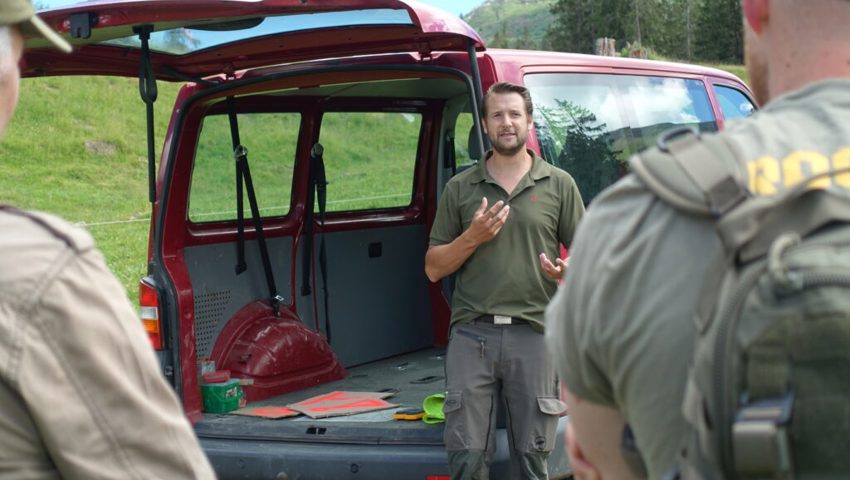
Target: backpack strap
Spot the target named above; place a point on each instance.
(697, 174)
(688, 171)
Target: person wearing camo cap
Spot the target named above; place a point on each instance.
(81, 393)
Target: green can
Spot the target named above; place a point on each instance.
(221, 397)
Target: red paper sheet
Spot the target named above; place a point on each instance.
(342, 403)
(266, 412)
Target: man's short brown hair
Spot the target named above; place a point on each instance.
(508, 87)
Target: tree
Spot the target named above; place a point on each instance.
(524, 40)
(179, 40)
(673, 29)
(578, 23)
(500, 38)
(689, 29)
(571, 30)
(579, 143)
(719, 32)
(685, 29)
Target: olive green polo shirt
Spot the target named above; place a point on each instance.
(503, 276)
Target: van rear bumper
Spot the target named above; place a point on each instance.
(242, 458)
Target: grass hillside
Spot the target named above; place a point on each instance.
(512, 23)
(76, 147)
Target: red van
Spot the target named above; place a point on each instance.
(295, 191)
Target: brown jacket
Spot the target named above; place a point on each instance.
(81, 394)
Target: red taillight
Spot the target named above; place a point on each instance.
(149, 311)
(437, 477)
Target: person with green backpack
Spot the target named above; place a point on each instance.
(703, 330)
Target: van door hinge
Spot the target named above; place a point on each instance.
(425, 54)
(81, 24)
(229, 71)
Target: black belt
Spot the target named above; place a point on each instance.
(491, 320)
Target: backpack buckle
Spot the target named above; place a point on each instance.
(725, 195)
(760, 440)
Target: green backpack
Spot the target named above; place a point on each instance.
(768, 393)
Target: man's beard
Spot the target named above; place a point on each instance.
(509, 151)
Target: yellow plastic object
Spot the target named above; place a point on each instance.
(409, 414)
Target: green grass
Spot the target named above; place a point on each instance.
(377, 173)
(270, 139)
(76, 148)
(47, 165)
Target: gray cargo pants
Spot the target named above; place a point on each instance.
(483, 360)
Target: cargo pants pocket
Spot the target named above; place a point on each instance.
(544, 432)
(455, 435)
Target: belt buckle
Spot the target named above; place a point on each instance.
(501, 320)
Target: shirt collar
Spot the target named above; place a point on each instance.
(540, 169)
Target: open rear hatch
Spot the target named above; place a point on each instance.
(189, 40)
(180, 41)
(209, 37)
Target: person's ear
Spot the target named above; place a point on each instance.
(756, 14)
(582, 468)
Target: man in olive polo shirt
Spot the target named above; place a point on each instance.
(497, 226)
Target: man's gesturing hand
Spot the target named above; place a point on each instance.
(556, 270)
(487, 222)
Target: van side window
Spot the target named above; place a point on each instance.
(733, 103)
(270, 139)
(369, 159)
(462, 127)
(590, 124)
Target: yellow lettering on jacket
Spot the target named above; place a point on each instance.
(764, 175)
(800, 165)
(841, 159)
(768, 175)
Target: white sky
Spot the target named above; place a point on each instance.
(455, 6)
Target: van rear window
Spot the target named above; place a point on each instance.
(590, 124)
(180, 41)
(370, 159)
(270, 139)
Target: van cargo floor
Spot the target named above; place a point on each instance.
(412, 376)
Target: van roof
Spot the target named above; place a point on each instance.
(533, 58)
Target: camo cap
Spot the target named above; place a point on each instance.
(22, 14)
